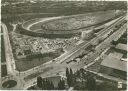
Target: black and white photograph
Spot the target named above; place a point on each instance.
(69, 45)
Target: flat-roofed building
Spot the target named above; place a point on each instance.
(113, 65)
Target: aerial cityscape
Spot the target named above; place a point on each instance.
(63, 45)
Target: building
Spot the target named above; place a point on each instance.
(113, 65)
(87, 34)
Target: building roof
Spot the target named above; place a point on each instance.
(122, 46)
(113, 60)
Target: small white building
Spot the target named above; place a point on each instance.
(87, 34)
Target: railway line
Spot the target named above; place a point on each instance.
(80, 48)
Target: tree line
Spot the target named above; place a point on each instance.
(46, 84)
(87, 82)
(83, 75)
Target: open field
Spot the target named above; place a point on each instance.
(78, 21)
(71, 22)
(3, 58)
(4, 70)
(23, 65)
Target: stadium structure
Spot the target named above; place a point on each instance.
(67, 26)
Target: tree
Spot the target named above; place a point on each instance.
(83, 75)
(71, 77)
(114, 42)
(61, 85)
(52, 85)
(39, 82)
(82, 71)
(69, 80)
(68, 77)
(67, 72)
(44, 84)
(91, 83)
(71, 73)
(47, 85)
(77, 73)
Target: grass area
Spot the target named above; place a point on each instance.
(28, 16)
(37, 74)
(96, 66)
(54, 23)
(1, 29)
(102, 84)
(32, 76)
(123, 38)
(3, 70)
(9, 84)
(3, 58)
(108, 85)
(35, 60)
(23, 65)
(79, 21)
(36, 26)
(119, 74)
